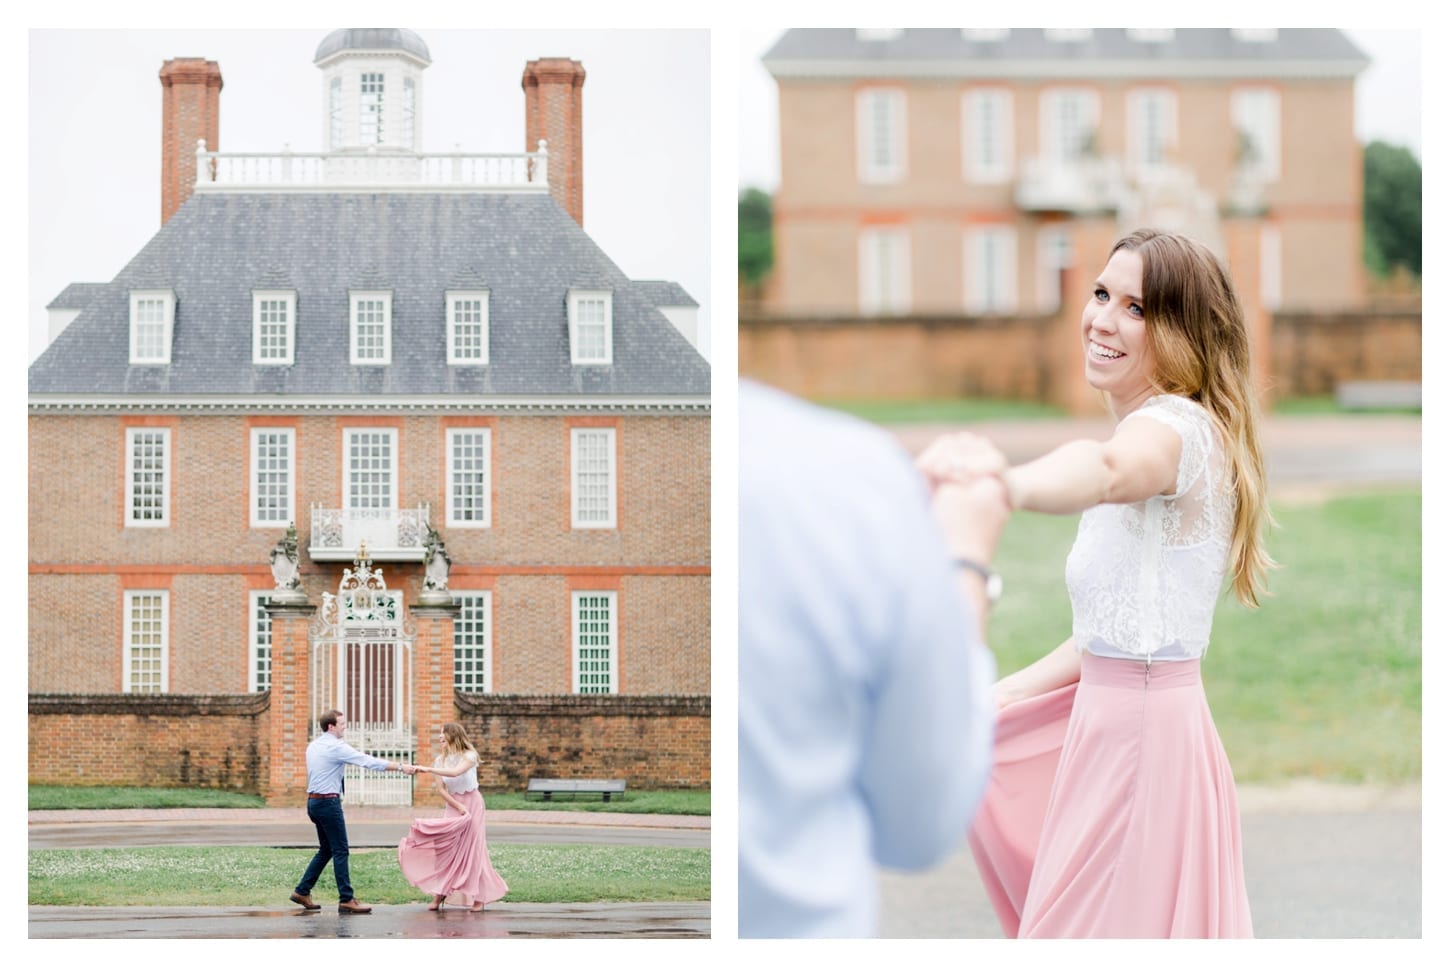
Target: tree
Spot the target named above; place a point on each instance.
(1392, 205)
(757, 253)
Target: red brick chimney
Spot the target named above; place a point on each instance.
(553, 111)
(190, 110)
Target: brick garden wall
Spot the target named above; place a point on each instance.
(1315, 352)
(200, 741)
(220, 741)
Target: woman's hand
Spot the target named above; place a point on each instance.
(961, 458)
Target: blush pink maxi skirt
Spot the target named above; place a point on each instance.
(1112, 812)
(448, 854)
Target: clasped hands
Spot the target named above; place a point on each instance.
(408, 768)
(972, 501)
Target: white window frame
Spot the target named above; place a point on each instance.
(410, 112)
(348, 494)
(1151, 35)
(576, 483)
(1271, 266)
(451, 299)
(371, 101)
(991, 269)
(1069, 35)
(884, 269)
(987, 110)
(1054, 253)
(485, 509)
(334, 114)
(131, 645)
(880, 124)
(260, 298)
(983, 35)
(878, 33)
(1257, 112)
(576, 354)
(167, 298)
(355, 298)
(1141, 102)
(259, 642)
(1057, 144)
(580, 632)
(254, 439)
(1255, 35)
(475, 608)
(165, 476)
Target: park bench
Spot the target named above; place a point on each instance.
(1378, 395)
(550, 789)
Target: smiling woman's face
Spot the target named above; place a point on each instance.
(1114, 335)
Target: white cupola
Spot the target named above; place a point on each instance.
(372, 89)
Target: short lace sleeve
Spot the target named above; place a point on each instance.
(1194, 427)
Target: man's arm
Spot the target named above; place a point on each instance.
(348, 754)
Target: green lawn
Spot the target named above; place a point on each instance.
(1323, 681)
(678, 802)
(264, 876)
(888, 412)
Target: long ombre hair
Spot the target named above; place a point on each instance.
(1196, 329)
(457, 741)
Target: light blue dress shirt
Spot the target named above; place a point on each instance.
(326, 756)
(866, 715)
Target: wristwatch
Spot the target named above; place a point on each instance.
(990, 578)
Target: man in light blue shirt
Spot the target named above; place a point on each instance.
(326, 756)
(866, 712)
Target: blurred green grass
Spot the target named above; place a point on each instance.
(1322, 681)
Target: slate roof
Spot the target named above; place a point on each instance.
(77, 295)
(839, 51)
(524, 248)
(666, 293)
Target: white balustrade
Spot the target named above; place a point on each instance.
(381, 170)
(390, 534)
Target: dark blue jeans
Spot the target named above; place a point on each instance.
(326, 815)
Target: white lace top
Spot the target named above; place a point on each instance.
(1144, 577)
(467, 781)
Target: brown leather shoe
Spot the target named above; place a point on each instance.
(305, 900)
(352, 906)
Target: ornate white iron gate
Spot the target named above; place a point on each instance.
(362, 660)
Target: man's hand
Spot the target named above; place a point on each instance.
(973, 516)
(960, 458)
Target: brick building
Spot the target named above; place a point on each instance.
(420, 362)
(949, 171)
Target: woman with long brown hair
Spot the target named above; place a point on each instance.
(1112, 810)
(449, 854)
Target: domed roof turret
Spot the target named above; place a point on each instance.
(372, 38)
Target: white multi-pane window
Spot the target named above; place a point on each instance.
(274, 314)
(152, 313)
(273, 476)
(259, 643)
(1256, 35)
(372, 327)
(991, 269)
(1255, 113)
(878, 33)
(591, 327)
(370, 115)
(1150, 35)
(983, 35)
(370, 468)
(145, 641)
(881, 135)
(334, 113)
(987, 135)
(1069, 124)
(148, 477)
(469, 477)
(1054, 253)
(596, 644)
(1152, 125)
(473, 642)
(467, 327)
(1271, 266)
(885, 271)
(410, 108)
(1069, 35)
(592, 477)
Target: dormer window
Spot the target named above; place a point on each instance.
(1069, 35)
(1256, 35)
(274, 317)
(878, 33)
(591, 327)
(1150, 35)
(371, 312)
(152, 313)
(467, 327)
(983, 35)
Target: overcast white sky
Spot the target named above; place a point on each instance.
(95, 133)
(1387, 99)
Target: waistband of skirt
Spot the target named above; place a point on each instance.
(1131, 673)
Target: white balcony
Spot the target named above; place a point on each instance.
(378, 170)
(391, 535)
(1083, 186)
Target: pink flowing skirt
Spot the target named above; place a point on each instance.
(448, 854)
(1112, 811)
